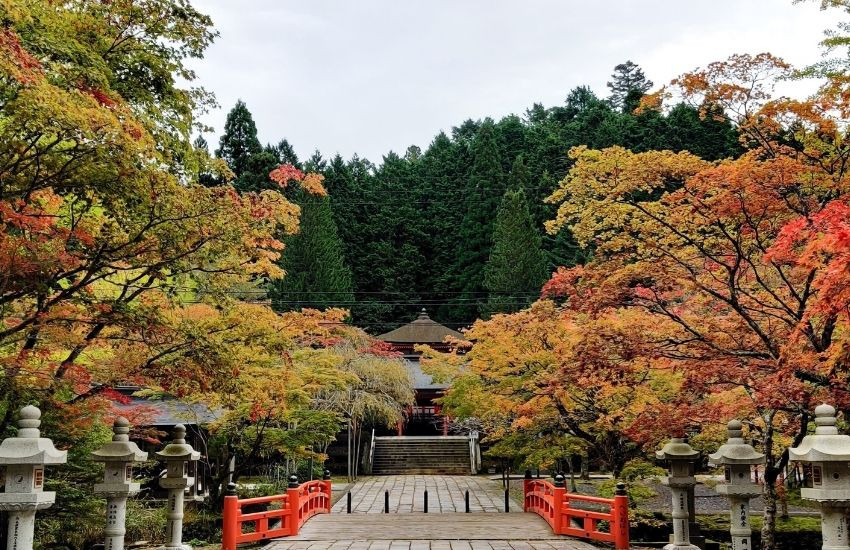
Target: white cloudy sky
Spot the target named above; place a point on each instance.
(369, 76)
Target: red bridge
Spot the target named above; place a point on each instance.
(567, 515)
(291, 510)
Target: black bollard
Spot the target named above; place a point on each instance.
(507, 501)
(348, 503)
(466, 500)
(426, 501)
(386, 502)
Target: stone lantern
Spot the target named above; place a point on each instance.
(737, 458)
(176, 455)
(25, 457)
(118, 456)
(828, 453)
(681, 457)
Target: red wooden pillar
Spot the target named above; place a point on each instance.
(400, 427)
(230, 527)
(445, 425)
(620, 520)
(326, 490)
(559, 493)
(293, 502)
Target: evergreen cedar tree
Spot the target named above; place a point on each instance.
(628, 84)
(316, 274)
(118, 267)
(416, 229)
(516, 268)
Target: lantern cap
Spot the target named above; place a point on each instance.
(29, 447)
(826, 444)
(178, 449)
(677, 449)
(735, 450)
(120, 449)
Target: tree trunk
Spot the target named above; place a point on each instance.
(768, 529)
(573, 488)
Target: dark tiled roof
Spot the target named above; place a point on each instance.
(421, 331)
(169, 411)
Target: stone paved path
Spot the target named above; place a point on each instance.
(407, 494)
(444, 527)
(440, 544)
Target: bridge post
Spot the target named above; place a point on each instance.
(230, 527)
(558, 494)
(620, 522)
(293, 501)
(327, 488)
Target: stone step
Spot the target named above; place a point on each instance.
(423, 452)
(421, 455)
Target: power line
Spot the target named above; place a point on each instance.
(345, 303)
(482, 293)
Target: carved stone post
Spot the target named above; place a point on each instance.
(737, 458)
(828, 452)
(25, 457)
(681, 457)
(118, 457)
(176, 455)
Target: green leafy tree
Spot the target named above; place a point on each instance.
(516, 269)
(316, 274)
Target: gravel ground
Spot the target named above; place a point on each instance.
(707, 501)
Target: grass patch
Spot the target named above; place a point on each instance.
(791, 525)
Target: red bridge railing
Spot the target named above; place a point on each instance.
(283, 515)
(554, 504)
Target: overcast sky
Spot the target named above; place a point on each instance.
(370, 76)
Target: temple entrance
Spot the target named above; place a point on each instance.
(424, 417)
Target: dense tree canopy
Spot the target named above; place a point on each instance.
(416, 229)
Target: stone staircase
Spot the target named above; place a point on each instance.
(421, 455)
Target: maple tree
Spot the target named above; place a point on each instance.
(118, 267)
(543, 373)
(740, 263)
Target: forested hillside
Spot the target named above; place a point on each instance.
(417, 229)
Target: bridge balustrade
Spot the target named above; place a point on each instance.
(288, 513)
(553, 503)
